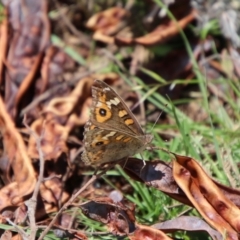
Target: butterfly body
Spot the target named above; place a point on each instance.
(112, 132)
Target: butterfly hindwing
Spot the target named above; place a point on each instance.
(108, 146)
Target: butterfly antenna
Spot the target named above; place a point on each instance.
(156, 121)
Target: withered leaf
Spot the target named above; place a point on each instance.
(118, 217)
(187, 223)
(24, 175)
(157, 174)
(205, 195)
(146, 232)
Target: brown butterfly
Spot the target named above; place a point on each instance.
(112, 133)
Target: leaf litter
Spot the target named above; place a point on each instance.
(45, 100)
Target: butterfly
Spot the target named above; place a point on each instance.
(112, 132)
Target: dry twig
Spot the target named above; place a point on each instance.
(32, 202)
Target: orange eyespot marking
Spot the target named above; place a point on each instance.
(119, 137)
(103, 113)
(122, 113)
(100, 143)
(129, 121)
(127, 139)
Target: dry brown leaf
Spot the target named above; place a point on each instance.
(53, 138)
(107, 22)
(29, 78)
(21, 164)
(187, 223)
(3, 43)
(157, 174)
(226, 208)
(28, 39)
(187, 183)
(231, 193)
(52, 192)
(161, 34)
(118, 217)
(146, 232)
(59, 118)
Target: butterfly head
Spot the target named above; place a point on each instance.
(146, 142)
(148, 139)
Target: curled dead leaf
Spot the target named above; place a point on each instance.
(161, 34)
(24, 175)
(119, 218)
(3, 42)
(189, 184)
(53, 138)
(107, 22)
(226, 208)
(187, 223)
(146, 232)
(157, 174)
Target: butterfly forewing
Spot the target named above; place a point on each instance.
(110, 111)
